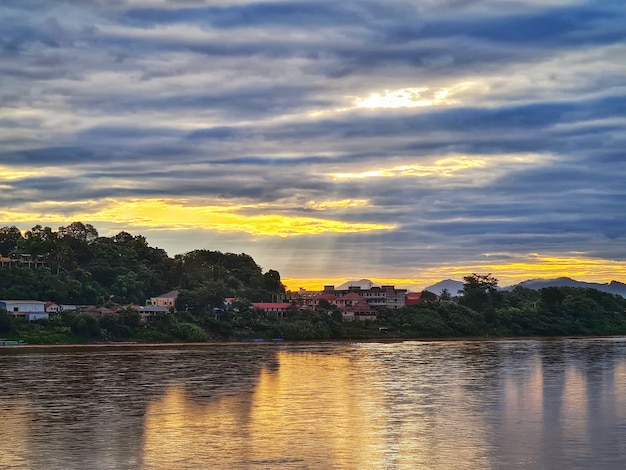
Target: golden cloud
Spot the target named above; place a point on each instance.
(176, 215)
(338, 204)
(445, 167)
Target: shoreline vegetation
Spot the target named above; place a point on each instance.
(476, 315)
(78, 267)
(269, 343)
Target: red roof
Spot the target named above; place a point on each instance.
(170, 295)
(270, 305)
(352, 296)
(413, 298)
(326, 297)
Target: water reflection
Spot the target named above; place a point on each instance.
(451, 405)
(313, 410)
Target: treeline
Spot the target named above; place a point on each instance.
(482, 310)
(246, 323)
(84, 268)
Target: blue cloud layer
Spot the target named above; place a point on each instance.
(257, 102)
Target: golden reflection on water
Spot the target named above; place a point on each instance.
(14, 432)
(620, 386)
(317, 399)
(524, 404)
(575, 412)
(374, 408)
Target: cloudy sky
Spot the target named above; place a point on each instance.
(404, 141)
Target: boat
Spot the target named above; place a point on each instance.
(11, 342)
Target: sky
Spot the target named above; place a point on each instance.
(401, 141)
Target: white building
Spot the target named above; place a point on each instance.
(28, 309)
(23, 306)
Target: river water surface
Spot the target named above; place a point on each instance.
(532, 404)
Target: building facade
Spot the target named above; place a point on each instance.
(167, 300)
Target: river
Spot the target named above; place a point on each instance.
(532, 404)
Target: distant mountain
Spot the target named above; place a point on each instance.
(364, 284)
(451, 285)
(613, 287)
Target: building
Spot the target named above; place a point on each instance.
(20, 308)
(149, 313)
(413, 298)
(51, 307)
(24, 261)
(375, 296)
(278, 309)
(167, 300)
(65, 308)
(23, 306)
(99, 312)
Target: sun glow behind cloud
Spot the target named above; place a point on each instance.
(444, 167)
(340, 204)
(449, 166)
(411, 97)
(155, 213)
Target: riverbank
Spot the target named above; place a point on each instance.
(211, 344)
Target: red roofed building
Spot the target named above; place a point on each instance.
(278, 309)
(359, 310)
(413, 298)
(99, 311)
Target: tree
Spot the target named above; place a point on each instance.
(38, 241)
(85, 325)
(86, 233)
(9, 239)
(324, 305)
(479, 283)
(445, 295)
(271, 282)
(6, 322)
(478, 292)
(427, 296)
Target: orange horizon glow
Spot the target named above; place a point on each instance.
(257, 220)
(535, 266)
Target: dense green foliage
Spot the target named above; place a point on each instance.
(555, 311)
(483, 310)
(84, 268)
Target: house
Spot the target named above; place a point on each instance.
(386, 296)
(23, 306)
(65, 308)
(149, 313)
(167, 300)
(99, 312)
(20, 308)
(51, 307)
(278, 309)
(413, 298)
